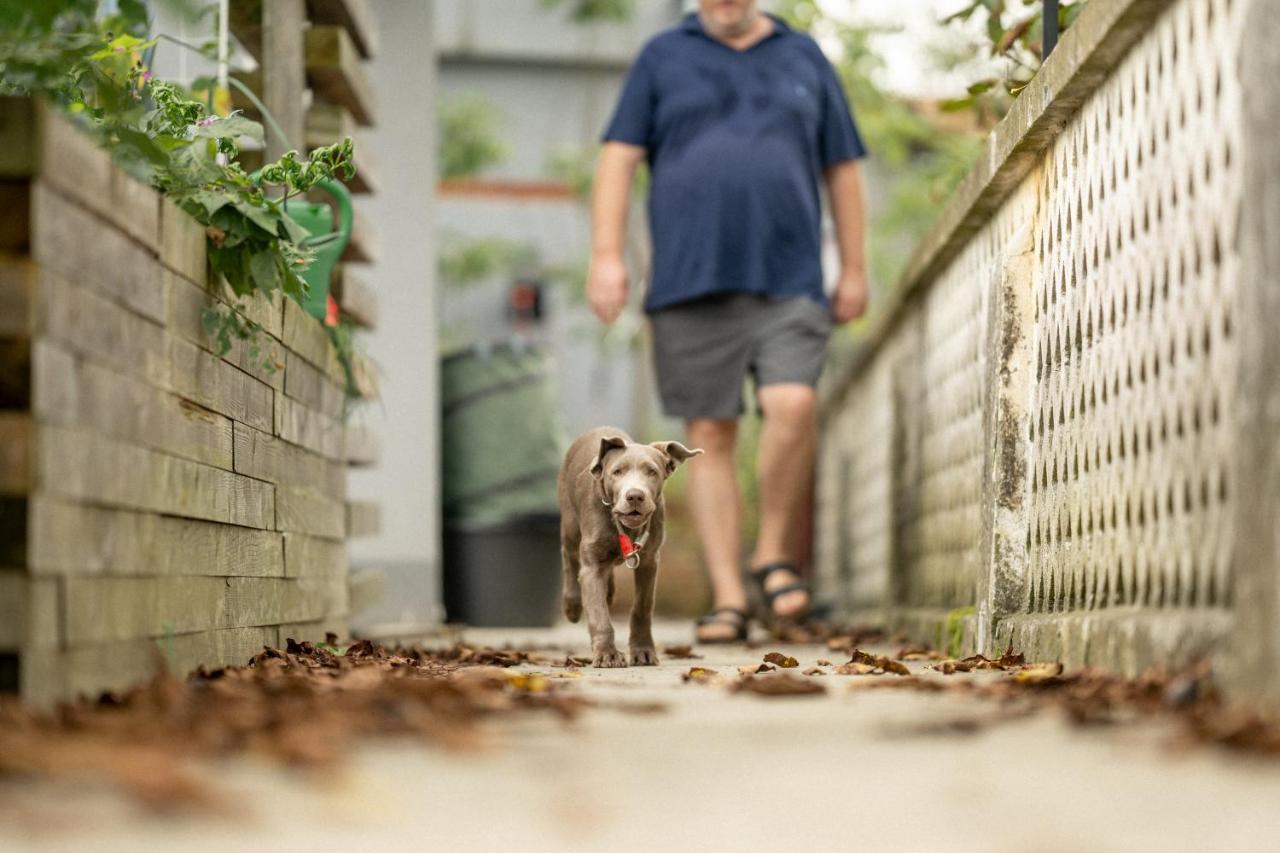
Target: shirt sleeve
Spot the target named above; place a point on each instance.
(838, 137)
(632, 120)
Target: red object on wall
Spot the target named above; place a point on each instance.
(525, 300)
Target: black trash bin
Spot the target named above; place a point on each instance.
(501, 443)
(503, 573)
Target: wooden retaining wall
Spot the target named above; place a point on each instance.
(157, 502)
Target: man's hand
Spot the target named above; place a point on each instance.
(607, 287)
(849, 301)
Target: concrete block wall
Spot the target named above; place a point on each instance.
(157, 501)
(1078, 373)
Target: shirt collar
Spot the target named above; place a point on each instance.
(693, 24)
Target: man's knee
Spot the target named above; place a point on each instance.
(793, 404)
(712, 435)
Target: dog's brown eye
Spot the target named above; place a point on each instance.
(651, 471)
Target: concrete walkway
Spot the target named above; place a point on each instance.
(854, 769)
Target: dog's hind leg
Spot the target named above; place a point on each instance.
(571, 589)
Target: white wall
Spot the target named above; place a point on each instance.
(524, 30)
(406, 482)
(553, 85)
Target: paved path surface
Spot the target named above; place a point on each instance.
(855, 769)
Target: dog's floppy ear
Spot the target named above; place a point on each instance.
(609, 442)
(675, 453)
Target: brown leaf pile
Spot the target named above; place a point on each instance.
(1090, 696)
(862, 663)
(302, 706)
(1009, 660)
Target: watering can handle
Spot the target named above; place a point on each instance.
(346, 215)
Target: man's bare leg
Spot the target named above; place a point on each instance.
(716, 504)
(785, 468)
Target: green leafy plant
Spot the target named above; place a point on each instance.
(590, 11)
(467, 262)
(1015, 31)
(919, 162)
(469, 140)
(95, 70)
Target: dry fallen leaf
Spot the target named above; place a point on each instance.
(823, 662)
(918, 653)
(699, 674)
(1039, 673)
(680, 652)
(813, 670)
(780, 684)
(1011, 659)
(754, 668)
(863, 663)
(855, 668)
(781, 660)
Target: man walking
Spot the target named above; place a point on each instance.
(740, 118)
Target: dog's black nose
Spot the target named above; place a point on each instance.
(635, 496)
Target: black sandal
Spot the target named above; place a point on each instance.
(718, 617)
(760, 574)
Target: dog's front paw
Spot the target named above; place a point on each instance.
(608, 659)
(644, 657)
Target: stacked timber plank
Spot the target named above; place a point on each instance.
(158, 502)
(339, 38)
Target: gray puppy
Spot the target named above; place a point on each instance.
(611, 512)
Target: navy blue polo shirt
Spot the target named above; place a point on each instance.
(737, 142)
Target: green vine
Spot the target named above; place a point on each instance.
(95, 69)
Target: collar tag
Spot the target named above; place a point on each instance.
(628, 547)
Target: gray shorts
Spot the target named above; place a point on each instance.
(703, 350)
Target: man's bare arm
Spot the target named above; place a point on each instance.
(844, 189)
(610, 198)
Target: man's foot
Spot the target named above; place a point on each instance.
(722, 625)
(784, 592)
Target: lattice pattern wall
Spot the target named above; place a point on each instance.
(1134, 359)
(854, 545)
(1127, 417)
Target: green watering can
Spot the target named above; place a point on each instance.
(327, 243)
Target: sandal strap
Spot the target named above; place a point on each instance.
(772, 595)
(714, 617)
(760, 574)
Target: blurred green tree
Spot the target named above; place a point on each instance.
(470, 139)
(590, 11)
